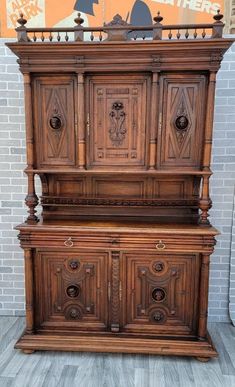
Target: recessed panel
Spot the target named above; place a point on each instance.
(182, 120)
(117, 133)
(118, 188)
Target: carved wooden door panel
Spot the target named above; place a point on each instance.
(54, 101)
(71, 290)
(117, 121)
(161, 293)
(182, 120)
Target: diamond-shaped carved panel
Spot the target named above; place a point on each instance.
(55, 118)
(182, 113)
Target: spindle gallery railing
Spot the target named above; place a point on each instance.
(119, 30)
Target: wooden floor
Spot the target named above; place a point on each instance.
(56, 369)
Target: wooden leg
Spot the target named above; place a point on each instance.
(28, 351)
(203, 359)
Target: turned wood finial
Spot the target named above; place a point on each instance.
(158, 18)
(218, 16)
(21, 20)
(79, 20)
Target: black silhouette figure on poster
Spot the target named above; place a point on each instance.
(85, 6)
(139, 15)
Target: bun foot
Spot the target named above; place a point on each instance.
(203, 359)
(28, 351)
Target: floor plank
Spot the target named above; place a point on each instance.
(74, 369)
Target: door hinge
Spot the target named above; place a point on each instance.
(160, 122)
(109, 291)
(120, 291)
(88, 125)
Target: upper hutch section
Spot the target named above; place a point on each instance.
(119, 118)
(120, 97)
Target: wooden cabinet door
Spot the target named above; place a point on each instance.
(117, 121)
(71, 290)
(54, 102)
(183, 101)
(161, 293)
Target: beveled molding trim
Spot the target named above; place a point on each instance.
(203, 350)
(52, 200)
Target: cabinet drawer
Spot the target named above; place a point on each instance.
(123, 241)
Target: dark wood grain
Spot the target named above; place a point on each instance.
(120, 133)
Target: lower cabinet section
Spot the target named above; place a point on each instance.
(127, 292)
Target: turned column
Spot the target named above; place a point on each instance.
(203, 296)
(205, 201)
(81, 121)
(28, 255)
(31, 199)
(154, 120)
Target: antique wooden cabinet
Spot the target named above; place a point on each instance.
(119, 130)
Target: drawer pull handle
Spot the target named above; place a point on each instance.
(68, 242)
(160, 245)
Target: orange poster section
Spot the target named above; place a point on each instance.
(49, 13)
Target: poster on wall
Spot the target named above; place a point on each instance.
(54, 13)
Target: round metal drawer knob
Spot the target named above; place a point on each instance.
(68, 242)
(160, 245)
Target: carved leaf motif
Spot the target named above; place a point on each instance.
(115, 292)
(117, 132)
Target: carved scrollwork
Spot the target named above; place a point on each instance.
(117, 132)
(116, 33)
(45, 200)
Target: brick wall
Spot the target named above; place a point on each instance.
(13, 188)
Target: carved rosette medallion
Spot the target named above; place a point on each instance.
(158, 294)
(73, 291)
(73, 312)
(181, 122)
(158, 267)
(158, 316)
(55, 120)
(117, 132)
(74, 264)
